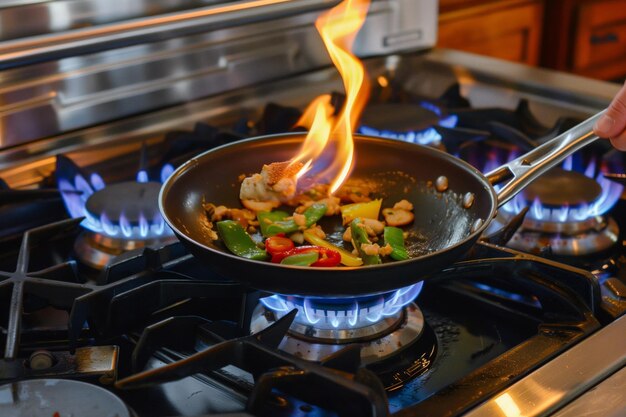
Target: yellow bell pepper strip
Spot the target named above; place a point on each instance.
(301, 259)
(394, 237)
(268, 217)
(359, 237)
(347, 258)
(369, 210)
(311, 216)
(239, 242)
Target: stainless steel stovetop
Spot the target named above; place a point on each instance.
(516, 334)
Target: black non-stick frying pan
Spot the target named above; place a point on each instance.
(443, 230)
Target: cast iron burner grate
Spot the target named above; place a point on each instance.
(492, 280)
(149, 303)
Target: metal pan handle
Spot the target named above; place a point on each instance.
(520, 172)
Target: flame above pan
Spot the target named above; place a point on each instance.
(328, 151)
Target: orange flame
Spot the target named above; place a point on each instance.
(338, 28)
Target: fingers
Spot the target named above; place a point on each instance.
(613, 122)
(619, 142)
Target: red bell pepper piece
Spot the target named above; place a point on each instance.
(278, 244)
(327, 257)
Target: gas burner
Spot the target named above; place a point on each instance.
(405, 121)
(383, 325)
(382, 340)
(118, 218)
(559, 188)
(344, 320)
(592, 236)
(566, 207)
(59, 397)
(565, 213)
(127, 210)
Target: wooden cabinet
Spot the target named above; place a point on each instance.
(587, 37)
(503, 29)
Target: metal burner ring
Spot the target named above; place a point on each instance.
(569, 228)
(338, 336)
(408, 331)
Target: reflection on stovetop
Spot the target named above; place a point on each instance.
(109, 281)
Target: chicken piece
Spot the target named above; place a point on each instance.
(356, 191)
(215, 213)
(332, 205)
(397, 217)
(276, 183)
(317, 231)
(300, 220)
(403, 205)
(243, 216)
(373, 227)
(370, 249)
(347, 235)
(385, 250)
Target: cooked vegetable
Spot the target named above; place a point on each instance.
(361, 242)
(323, 257)
(278, 244)
(367, 210)
(311, 216)
(394, 237)
(346, 258)
(268, 217)
(239, 242)
(327, 258)
(301, 259)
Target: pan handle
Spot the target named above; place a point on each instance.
(520, 172)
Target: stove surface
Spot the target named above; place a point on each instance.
(101, 295)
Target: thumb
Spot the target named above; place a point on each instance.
(613, 122)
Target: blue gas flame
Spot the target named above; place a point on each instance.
(121, 227)
(344, 313)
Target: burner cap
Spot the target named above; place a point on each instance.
(559, 188)
(48, 397)
(130, 199)
(398, 117)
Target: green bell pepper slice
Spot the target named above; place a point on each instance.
(239, 242)
(266, 218)
(301, 259)
(311, 214)
(394, 237)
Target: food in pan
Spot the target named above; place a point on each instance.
(294, 236)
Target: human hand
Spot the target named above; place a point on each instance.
(612, 124)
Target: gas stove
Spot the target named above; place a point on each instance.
(105, 313)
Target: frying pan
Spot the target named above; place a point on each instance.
(445, 230)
